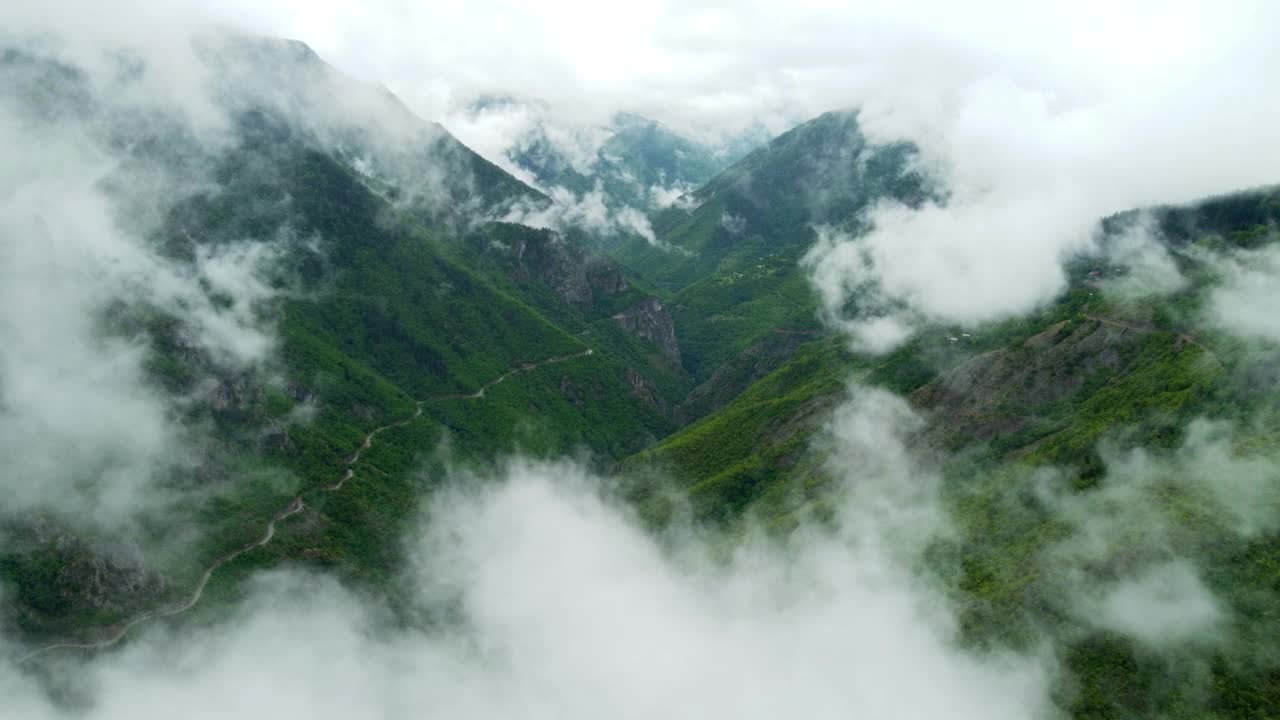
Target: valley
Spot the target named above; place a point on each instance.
(618, 413)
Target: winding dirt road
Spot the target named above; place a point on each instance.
(368, 442)
(117, 632)
(526, 367)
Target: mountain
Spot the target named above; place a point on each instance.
(367, 128)
(1121, 400)
(1038, 388)
(822, 172)
(604, 178)
(390, 294)
(319, 305)
(728, 260)
(639, 164)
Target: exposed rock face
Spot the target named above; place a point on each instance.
(107, 576)
(232, 393)
(73, 575)
(606, 277)
(297, 392)
(650, 320)
(576, 276)
(643, 389)
(989, 395)
(545, 255)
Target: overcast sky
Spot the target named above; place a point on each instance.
(697, 64)
(1036, 118)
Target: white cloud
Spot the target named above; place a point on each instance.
(735, 224)
(1249, 296)
(1037, 120)
(589, 211)
(1165, 605)
(711, 66)
(82, 428)
(1028, 174)
(674, 196)
(1150, 267)
(1141, 545)
(561, 606)
(636, 221)
(233, 329)
(89, 434)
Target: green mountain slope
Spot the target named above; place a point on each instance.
(385, 319)
(1041, 388)
(417, 164)
(731, 263)
(1034, 414)
(822, 172)
(415, 334)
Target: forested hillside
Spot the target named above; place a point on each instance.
(1119, 399)
(264, 327)
(730, 259)
(383, 305)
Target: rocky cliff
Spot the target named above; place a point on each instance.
(60, 576)
(576, 276)
(650, 320)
